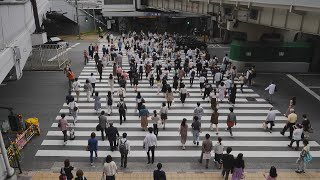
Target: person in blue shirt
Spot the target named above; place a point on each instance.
(93, 147)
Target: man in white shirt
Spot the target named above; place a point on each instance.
(228, 84)
(124, 155)
(150, 143)
(218, 78)
(92, 81)
(271, 89)
(76, 87)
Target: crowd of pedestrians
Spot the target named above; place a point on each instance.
(153, 56)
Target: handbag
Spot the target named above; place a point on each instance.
(230, 123)
(206, 155)
(98, 127)
(264, 125)
(87, 148)
(307, 158)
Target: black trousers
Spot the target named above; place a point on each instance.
(100, 74)
(102, 133)
(205, 94)
(155, 129)
(65, 136)
(191, 81)
(93, 87)
(151, 82)
(241, 87)
(113, 144)
(124, 158)
(286, 127)
(110, 178)
(122, 114)
(152, 153)
(297, 142)
(226, 172)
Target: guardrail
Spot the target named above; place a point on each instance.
(47, 57)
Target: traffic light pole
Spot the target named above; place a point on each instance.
(10, 170)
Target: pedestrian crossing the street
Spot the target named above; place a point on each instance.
(248, 138)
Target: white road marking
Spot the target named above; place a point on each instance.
(54, 57)
(188, 117)
(315, 95)
(180, 153)
(176, 134)
(177, 143)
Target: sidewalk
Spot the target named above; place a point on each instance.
(179, 176)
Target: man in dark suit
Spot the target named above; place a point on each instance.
(91, 50)
(112, 133)
(159, 174)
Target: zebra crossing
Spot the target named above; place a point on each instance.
(248, 136)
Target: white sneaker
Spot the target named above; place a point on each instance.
(65, 143)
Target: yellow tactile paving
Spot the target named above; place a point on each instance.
(181, 176)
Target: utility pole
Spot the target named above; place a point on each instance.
(79, 37)
(94, 20)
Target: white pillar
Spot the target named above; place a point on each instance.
(10, 170)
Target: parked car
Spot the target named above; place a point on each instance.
(57, 40)
(186, 42)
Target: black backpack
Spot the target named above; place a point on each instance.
(193, 73)
(122, 147)
(121, 107)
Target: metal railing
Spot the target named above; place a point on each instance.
(47, 57)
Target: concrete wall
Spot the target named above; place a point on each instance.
(17, 24)
(70, 12)
(253, 31)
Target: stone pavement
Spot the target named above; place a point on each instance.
(282, 175)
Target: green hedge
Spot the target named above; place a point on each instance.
(270, 52)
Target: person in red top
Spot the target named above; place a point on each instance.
(96, 48)
(70, 76)
(125, 75)
(119, 72)
(63, 125)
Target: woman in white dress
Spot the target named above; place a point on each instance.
(222, 89)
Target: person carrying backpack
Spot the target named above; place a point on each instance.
(124, 149)
(122, 110)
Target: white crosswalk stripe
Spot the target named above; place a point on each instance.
(248, 134)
